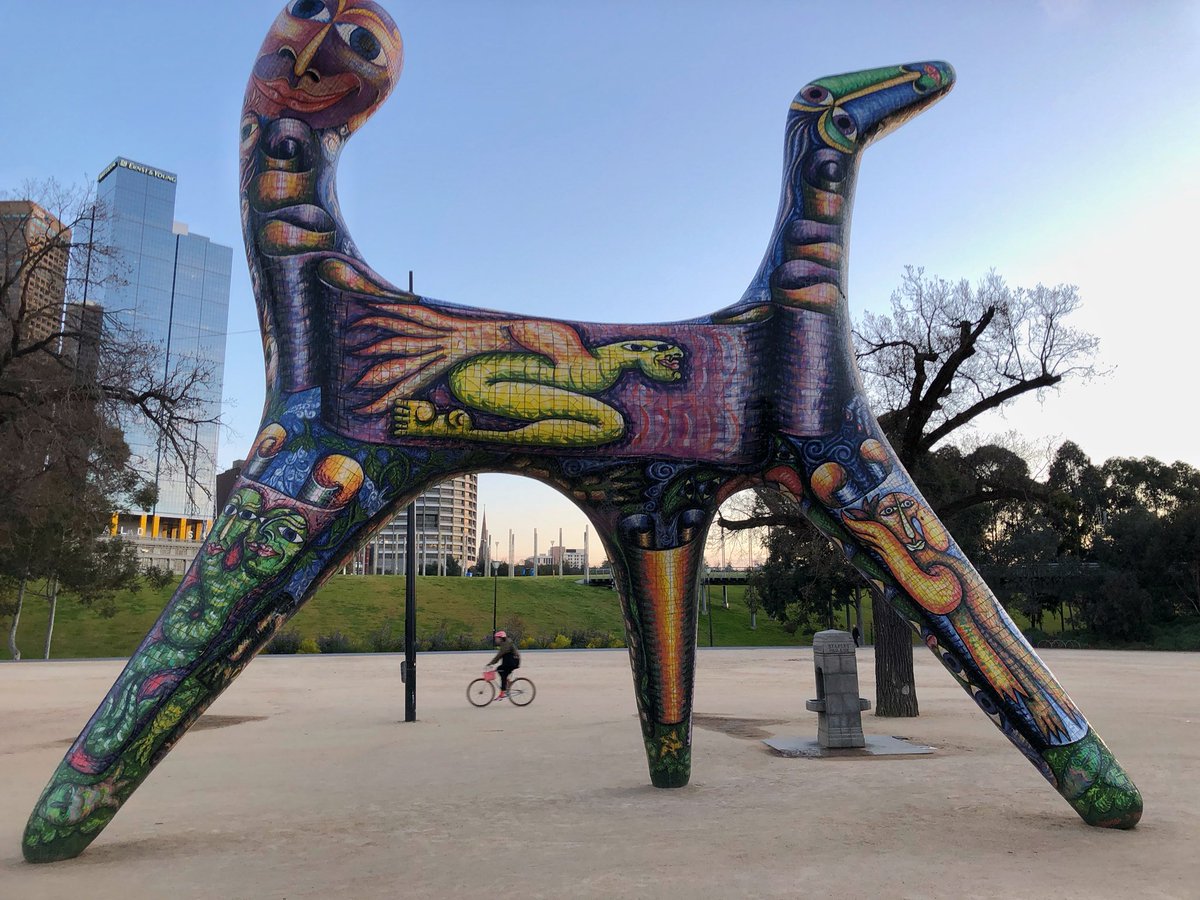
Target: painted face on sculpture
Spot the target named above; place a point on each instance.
(326, 62)
(226, 547)
(281, 534)
(854, 109)
(656, 359)
(252, 538)
(911, 523)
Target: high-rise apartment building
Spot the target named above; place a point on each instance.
(174, 294)
(36, 249)
(446, 517)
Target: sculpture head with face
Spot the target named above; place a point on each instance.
(328, 63)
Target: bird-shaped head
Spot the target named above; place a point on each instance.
(328, 63)
(852, 110)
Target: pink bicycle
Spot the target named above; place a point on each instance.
(483, 691)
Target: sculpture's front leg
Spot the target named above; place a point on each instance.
(293, 518)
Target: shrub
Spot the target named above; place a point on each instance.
(1036, 637)
(590, 638)
(384, 640)
(334, 643)
(158, 577)
(529, 643)
(442, 639)
(560, 642)
(438, 639)
(464, 641)
(308, 645)
(515, 626)
(617, 642)
(285, 642)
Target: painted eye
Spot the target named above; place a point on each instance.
(816, 95)
(309, 9)
(247, 515)
(249, 131)
(661, 348)
(363, 42)
(845, 124)
(907, 504)
(229, 509)
(635, 348)
(888, 511)
(291, 535)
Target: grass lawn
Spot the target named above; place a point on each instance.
(357, 606)
(360, 606)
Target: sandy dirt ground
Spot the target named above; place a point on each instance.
(302, 781)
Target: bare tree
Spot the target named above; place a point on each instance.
(949, 353)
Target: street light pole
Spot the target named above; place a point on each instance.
(410, 618)
(410, 603)
(495, 586)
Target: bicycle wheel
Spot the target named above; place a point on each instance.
(521, 691)
(481, 692)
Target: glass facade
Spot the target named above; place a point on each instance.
(175, 295)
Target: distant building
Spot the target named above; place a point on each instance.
(446, 530)
(571, 558)
(82, 327)
(225, 482)
(176, 295)
(37, 252)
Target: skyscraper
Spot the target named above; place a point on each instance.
(176, 295)
(36, 252)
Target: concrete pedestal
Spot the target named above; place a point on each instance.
(839, 708)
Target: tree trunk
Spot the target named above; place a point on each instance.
(895, 688)
(753, 621)
(13, 650)
(52, 597)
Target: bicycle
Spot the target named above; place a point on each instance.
(482, 690)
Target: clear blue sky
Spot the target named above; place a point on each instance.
(619, 161)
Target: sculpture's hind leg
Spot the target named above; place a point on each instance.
(287, 526)
(658, 600)
(866, 502)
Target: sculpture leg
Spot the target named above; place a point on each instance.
(267, 553)
(658, 599)
(866, 502)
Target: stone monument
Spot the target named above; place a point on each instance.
(838, 707)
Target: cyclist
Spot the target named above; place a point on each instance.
(509, 658)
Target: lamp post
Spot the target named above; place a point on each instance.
(410, 617)
(495, 584)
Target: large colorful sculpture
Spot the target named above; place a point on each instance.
(375, 394)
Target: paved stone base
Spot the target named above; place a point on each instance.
(877, 745)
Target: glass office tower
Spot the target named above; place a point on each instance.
(175, 295)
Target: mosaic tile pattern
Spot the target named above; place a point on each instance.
(375, 394)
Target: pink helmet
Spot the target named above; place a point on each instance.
(500, 634)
